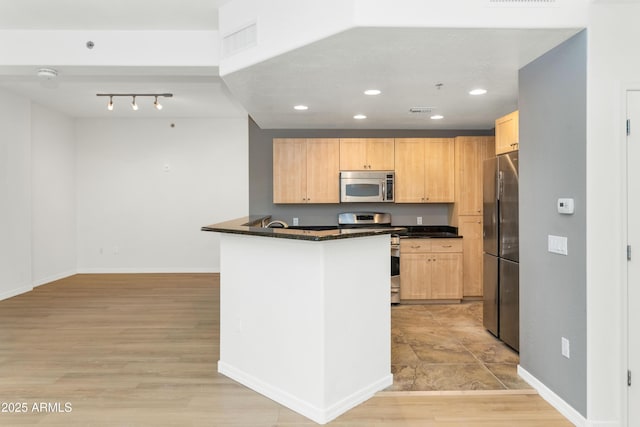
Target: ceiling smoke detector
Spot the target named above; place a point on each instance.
(47, 73)
(421, 110)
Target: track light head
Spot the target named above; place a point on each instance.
(133, 104)
(110, 104)
(157, 104)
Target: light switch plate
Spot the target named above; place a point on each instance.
(557, 244)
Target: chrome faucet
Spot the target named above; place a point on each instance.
(282, 224)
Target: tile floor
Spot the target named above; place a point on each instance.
(444, 347)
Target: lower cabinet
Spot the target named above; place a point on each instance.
(470, 228)
(430, 269)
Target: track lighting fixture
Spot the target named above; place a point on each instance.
(134, 104)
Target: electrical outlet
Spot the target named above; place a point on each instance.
(295, 221)
(565, 348)
(419, 220)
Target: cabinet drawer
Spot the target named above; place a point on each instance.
(446, 245)
(409, 246)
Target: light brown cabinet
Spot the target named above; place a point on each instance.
(366, 154)
(470, 153)
(507, 133)
(430, 269)
(306, 170)
(470, 228)
(424, 170)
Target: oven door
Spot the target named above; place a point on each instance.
(362, 190)
(395, 269)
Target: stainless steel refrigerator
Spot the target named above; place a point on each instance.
(501, 313)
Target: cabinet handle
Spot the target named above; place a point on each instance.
(446, 246)
(415, 246)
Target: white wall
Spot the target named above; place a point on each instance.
(54, 196)
(135, 216)
(613, 33)
(15, 195)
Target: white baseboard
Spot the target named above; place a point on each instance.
(158, 270)
(553, 399)
(44, 281)
(314, 413)
(16, 291)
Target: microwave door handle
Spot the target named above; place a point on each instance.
(383, 190)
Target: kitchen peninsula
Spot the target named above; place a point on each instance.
(305, 314)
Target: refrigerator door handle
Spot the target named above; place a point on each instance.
(500, 184)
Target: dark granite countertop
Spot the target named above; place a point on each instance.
(430, 232)
(252, 226)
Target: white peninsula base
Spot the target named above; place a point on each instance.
(306, 323)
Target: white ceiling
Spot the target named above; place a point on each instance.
(406, 64)
(329, 76)
(110, 14)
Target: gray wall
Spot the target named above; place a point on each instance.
(552, 104)
(261, 178)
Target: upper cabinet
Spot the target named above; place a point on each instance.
(306, 170)
(471, 151)
(366, 154)
(507, 133)
(424, 170)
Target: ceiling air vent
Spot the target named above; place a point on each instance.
(421, 110)
(522, 3)
(239, 40)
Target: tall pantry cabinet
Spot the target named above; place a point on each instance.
(466, 214)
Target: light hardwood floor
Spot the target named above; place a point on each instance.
(141, 350)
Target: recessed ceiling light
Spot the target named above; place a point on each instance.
(372, 92)
(300, 107)
(477, 92)
(437, 117)
(359, 117)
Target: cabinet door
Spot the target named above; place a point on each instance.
(353, 154)
(323, 170)
(507, 133)
(439, 170)
(410, 170)
(289, 171)
(415, 276)
(471, 151)
(380, 154)
(470, 228)
(446, 275)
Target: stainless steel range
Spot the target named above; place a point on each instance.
(378, 219)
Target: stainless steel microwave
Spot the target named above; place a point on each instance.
(366, 186)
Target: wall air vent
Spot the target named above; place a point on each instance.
(238, 40)
(421, 110)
